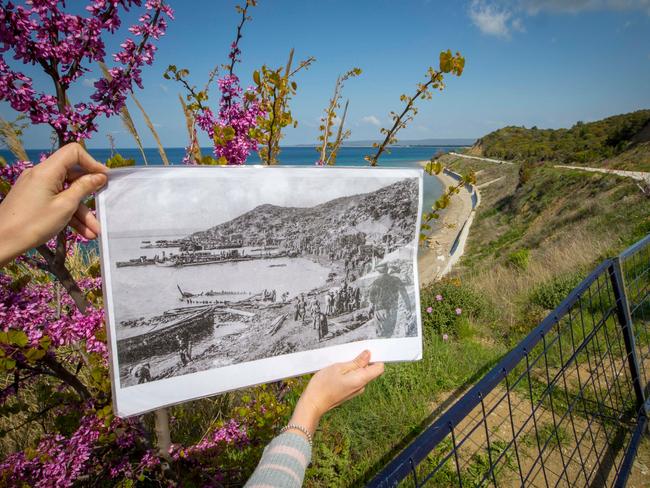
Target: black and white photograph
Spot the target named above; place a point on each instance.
(237, 276)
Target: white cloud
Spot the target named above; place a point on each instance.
(89, 82)
(501, 18)
(490, 18)
(163, 88)
(518, 25)
(371, 119)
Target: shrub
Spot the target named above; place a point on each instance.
(448, 303)
(519, 259)
(550, 294)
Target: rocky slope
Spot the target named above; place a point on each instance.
(389, 211)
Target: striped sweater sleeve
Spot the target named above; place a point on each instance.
(283, 463)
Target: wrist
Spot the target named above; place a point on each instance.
(306, 415)
(300, 430)
(9, 246)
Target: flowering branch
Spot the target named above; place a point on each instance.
(59, 42)
(234, 48)
(42, 33)
(232, 128)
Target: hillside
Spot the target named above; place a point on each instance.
(389, 211)
(603, 142)
(543, 231)
(529, 245)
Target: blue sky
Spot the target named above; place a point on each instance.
(547, 63)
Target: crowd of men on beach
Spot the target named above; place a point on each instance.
(345, 299)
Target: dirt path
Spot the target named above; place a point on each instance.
(447, 241)
(635, 175)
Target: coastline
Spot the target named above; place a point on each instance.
(446, 243)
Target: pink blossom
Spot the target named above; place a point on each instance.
(439, 298)
(61, 462)
(33, 310)
(231, 433)
(445, 337)
(27, 31)
(459, 311)
(429, 309)
(239, 111)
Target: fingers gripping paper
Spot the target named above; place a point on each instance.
(221, 278)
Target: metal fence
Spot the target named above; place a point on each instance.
(565, 407)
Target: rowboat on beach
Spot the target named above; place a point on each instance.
(159, 337)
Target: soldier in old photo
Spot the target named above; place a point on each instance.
(384, 296)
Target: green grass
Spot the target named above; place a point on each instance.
(358, 438)
(519, 259)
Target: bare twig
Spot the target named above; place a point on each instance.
(56, 266)
(66, 376)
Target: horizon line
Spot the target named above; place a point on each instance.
(414, 143)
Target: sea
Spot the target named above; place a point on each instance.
(152, 290)
(398, 157)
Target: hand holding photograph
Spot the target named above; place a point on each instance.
(218, 278)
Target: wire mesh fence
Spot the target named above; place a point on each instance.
(565, 407)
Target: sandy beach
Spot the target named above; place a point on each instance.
(434, 260)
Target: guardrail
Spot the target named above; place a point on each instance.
(567, 406)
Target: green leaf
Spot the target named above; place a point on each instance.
(446, 62)
(32, 355)
(19, 283)
(4, 187)
(17, 337)
(7, 364)
(433, 167)
(117, 161)
(45, 342)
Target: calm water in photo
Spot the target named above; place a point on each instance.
(148, 290)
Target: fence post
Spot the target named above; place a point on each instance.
(625, 320)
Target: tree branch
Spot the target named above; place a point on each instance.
(398, 122)
(66, 376)
(56, 266)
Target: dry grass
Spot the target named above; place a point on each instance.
(10, 138)
(190, 124)
(509, 286)
(151, 127)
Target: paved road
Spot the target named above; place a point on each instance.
(636, 175)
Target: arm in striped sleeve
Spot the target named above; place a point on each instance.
(283, 463)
